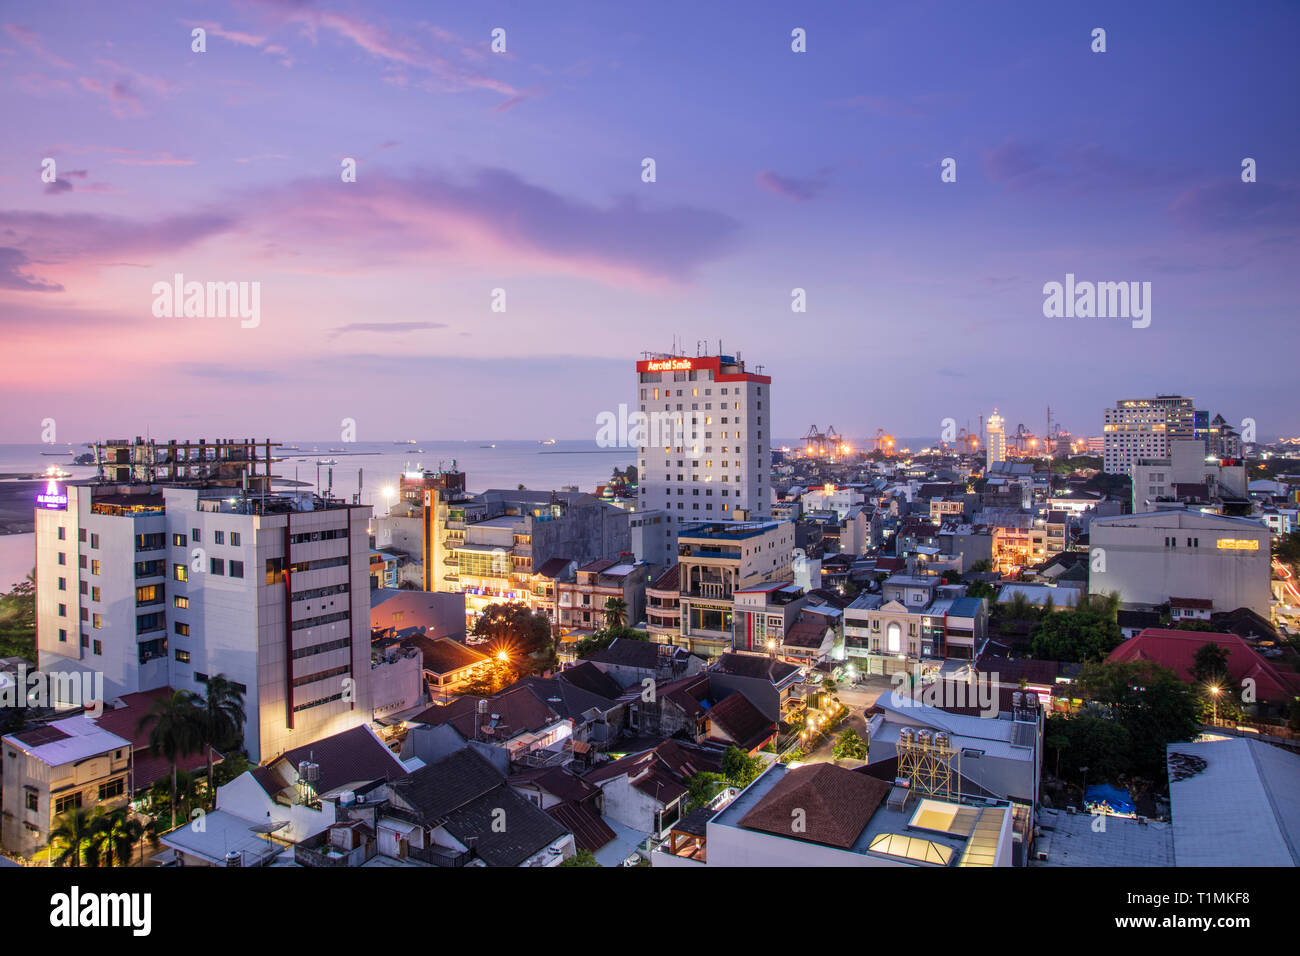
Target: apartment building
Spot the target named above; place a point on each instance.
(995, 447)
(1186, 470)
(764, 614)
(716, 561)
(490, 547)
(847, 819)
(915, 618)
(172, 570)
(704, 451)
(663, 612)
(580, 603)
(1149, 558)
(47, 770)
(1019, 538)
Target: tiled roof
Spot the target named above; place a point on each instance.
(1176, 650)
(557, 782)
(566, 699)
(627, 652)
(592, 679)
(835, 805)
(147, 767)
(436, 790)
(590, 832)
(741, 721)
(553, 568)
(349, 757)
(754, 665)
(691, 694)
(1010, 670)
(807, 631)
(670, 580)
(519, 711)
(443, 655)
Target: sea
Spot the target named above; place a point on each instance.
(365, 467)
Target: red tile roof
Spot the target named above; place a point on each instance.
(740, 722)
(670, 580)
(590, 832)
(1176, 650)
(147, 767)
(520, 711)
(836, 805)
(444, 655)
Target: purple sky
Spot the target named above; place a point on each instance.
(522, 171)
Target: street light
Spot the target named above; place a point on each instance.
(1215, 690)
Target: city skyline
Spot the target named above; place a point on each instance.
(522, 171)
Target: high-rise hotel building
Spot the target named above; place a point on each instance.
(1138, 428)
(179, 562)
(705, 440)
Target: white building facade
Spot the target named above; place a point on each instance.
(153, 586)
(704, 446)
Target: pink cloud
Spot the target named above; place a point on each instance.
(30, 39)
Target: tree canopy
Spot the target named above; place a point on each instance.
(1087, 633)
(1153, 706)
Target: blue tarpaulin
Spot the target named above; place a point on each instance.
(1104, 796)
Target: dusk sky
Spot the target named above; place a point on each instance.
(522, 171)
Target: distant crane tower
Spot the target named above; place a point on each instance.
(883, 442)
(819, 444)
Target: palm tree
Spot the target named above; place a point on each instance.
(174, 731)
(73, 829)
(222, 720)
(116, 832)
(615, 612)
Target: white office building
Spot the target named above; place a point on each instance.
(704, 445)
(153, 585)
(1138, 428)
(1149, 558)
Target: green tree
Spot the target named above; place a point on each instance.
(73, 832)
(740, 768)
(615, 613)
(513, 628)
(1210, 664)
(703, 787)
(1149, 702)
(18, 620)
(981, 589)
(581, 858)
(1058, 742)
(221, 721)
(1089, 740)
(602, 639)
(849, 745)
(175, 730)
(115, 833)
(1084, 634)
